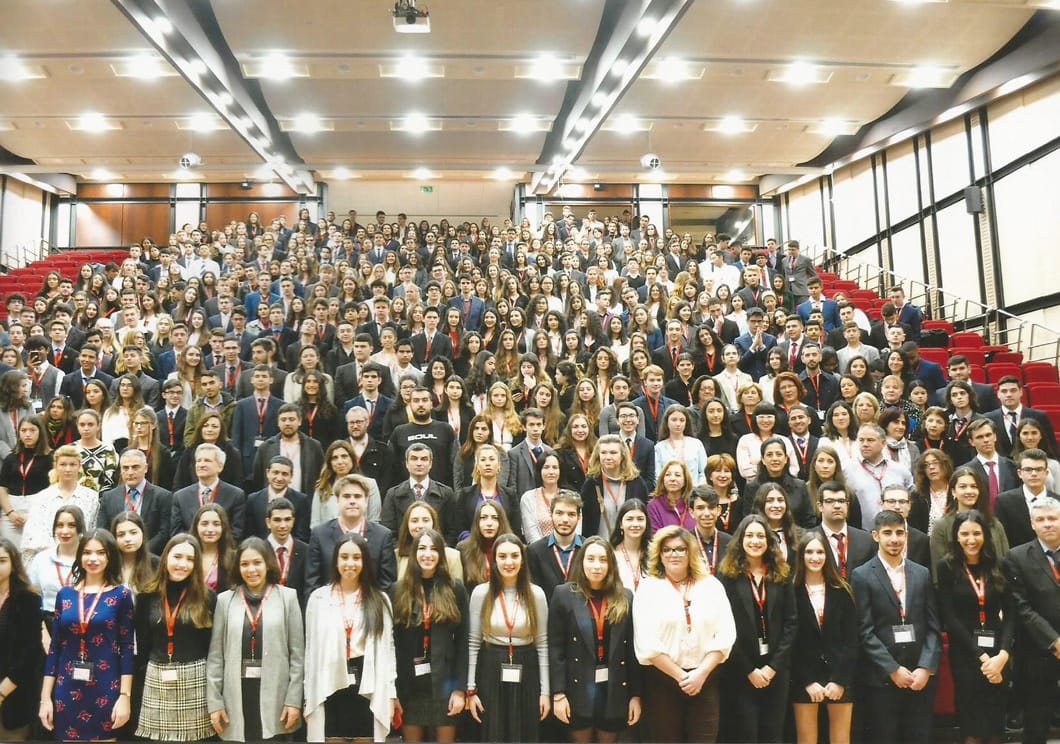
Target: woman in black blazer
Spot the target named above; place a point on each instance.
(826, 644)
(21, 656)
(430, 639)
(757, 581)
(596, 679)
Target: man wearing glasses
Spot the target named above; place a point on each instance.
(918, 545)
(1013, 507)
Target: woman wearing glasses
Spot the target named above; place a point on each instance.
(683, 630)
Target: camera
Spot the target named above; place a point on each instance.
(189, 160)
(651, 161)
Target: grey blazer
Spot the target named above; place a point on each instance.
(8, 435)
(282, 660)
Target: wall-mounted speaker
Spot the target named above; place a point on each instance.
(973, 200)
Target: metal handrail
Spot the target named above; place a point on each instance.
(998, 327)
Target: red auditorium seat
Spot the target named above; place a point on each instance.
(1040, 372)
(973, 355)
(996, 370)
(977, 373)
(937, 325)
(966, 339)
(932, 354)
(1007, 357)
(1042, 394)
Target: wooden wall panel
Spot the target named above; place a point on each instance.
(140, 220)
(98, 225)
(219, 214)
(258, 190)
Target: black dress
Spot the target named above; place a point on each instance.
(980, 704)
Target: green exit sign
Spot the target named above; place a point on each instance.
(427, 189)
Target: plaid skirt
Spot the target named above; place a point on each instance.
(175, 711)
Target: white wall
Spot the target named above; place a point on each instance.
(471, 200)
(23, 215)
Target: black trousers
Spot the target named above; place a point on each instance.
(1041, 696)
(896, 715)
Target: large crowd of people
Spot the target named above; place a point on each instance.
(582, 480)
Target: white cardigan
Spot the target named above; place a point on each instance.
(325, 656)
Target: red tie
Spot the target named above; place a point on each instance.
(281, 558)
(841, 550)
(792, 355)
(992, 478)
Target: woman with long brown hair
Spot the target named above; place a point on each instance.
(489, 522)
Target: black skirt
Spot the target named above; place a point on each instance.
(512, 711)
(422, 708)
(347, 713)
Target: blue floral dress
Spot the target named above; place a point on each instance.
(83, 708)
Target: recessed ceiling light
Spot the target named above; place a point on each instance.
(307, 123)
(522, 124)
(672, 70)
(732, 125)
(626, 123)
(422, 174)
(184, 175)
(162, 24)
(197, 67)
(102, 174)
(93, 122)
(833, 127)
(11, 69)
(925, 76)
(415, 124)
(277, 67)
(582, 125)
(341, 174)
(599, 99)
(619, 66)
(143, 67)
(802, 73)
(224, 98)
(736, 175)
(646, 26)
(503, 174)
(203, 122)
(547, 68)
(412, 69)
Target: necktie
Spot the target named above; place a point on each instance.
(133, 498)
(419, 492)
(841, 551)
(992, 478)
(205, 497)
(1013, 435)
(801, 442)
(281, 558)
(231, 376)
(171, 425)
(537, 452)
(629, 442)
(792, 354)
(1054, 558)
(673, 355)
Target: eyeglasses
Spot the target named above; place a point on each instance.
(896, 502)
(836, 502)
(1033, 471)
(681, 550)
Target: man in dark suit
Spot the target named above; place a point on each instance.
(371, 458)
(351, 494)
(471, 308)
(1013, 507)
(255, 418)
(665, 357)
(878, 330)
(278, 474)
(754, 345)
(652, 403)
(73, 384)
(849, 546)
(233, 365)
(209, 488)
(706, 508)
(959, 369)
(817, 301)
(1033, 573)
(429, 343)
(907, 312)
(419, 487)
(61, 356)
(798, 270)
(802, 438)
(927, 372)
(901, 638)
(341, 351)
(377, 405)
(640, 448)
(291, 553)
(551, 557)
(792, 342)
(1011, 412)
(262, 351)
(172, 417)
(524, 457)
(304, 452)
(133, 357)
(822, 388)
(726, 329)
(997, 472)
(223, 318)
(896, 497)
(152, 503)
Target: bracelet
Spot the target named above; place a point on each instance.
(559, 696)
(9, 512)
(472, 692)
(125, 694)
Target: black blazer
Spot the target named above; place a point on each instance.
(572, 655)
(829, 652)
(441, 346)
(860, 547)
(296, 570)
(1037, 597)
(544, 570)
(467, 501)
(1007, 479)
(959, 608)
(73, 387)
(377, 462)
(322, 541)
(398, 499)
(1001, 425)
(186, 503)
(22, 658)
(919, 548)
(592, 493)
(781, 626)
(878, 614)
(176, 443)
(1012, 511)
(156, 505)
(644, 459)
(257, 505)
(310, 453)
(449, 651)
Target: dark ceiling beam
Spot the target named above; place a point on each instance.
(620, 40)
(196, 48)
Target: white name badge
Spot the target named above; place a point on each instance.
(601, 674)
(985, 639)
(904, 633)
(38, 404)
(168, 675)
(258, 443)
(251, 670)
(512, 673)
(422, 669)
(351, 679)
(763, 647)
(82, 672)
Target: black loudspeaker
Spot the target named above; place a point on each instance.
(973, 200)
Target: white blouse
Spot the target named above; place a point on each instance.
(659, 625)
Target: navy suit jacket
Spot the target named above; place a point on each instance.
(245, 428)
(930, 373)
(322, 542)
(186, 503)
(472, 320)
(754, 362)
(257, 505)
(1001, 424)
(73, 387)
(651, 425)
(382, 406)
(829, 309)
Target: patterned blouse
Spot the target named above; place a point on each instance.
(99, 467)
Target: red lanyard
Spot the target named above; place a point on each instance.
(128, 501)
(83, 620)
(582, 461)
(510, 623)
(759, 593)
(171, 620)
(979, 587)
(681, 515)
(263, 404)
(599, 611)
(254, 619)
(564, 568)
(310, 415)
(684, 600)
(348, 620)
(635, 570)
(59, 575)
(959, 429)
(898, 592)
(653, 408)
(712, 558)
(804, 451)
(427, 610)
(815, 381)
(24, 468)
(878, 478)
